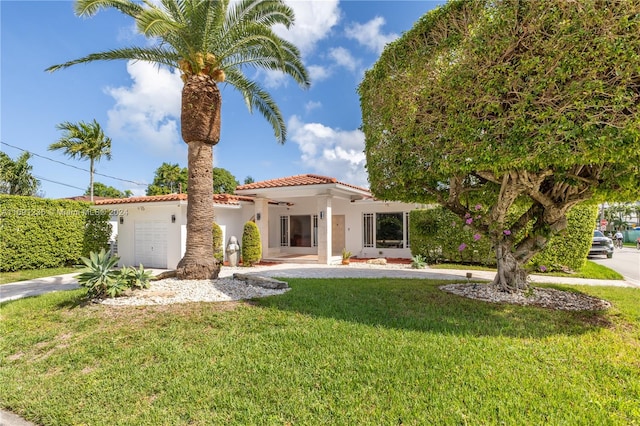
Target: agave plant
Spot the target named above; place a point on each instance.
(136, 278)
(99, 277)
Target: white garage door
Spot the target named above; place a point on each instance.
(151, 244)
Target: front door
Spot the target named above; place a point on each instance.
(337, 235)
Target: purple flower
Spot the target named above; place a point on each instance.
(462, 247)
(469, 221)
(543, 268)
(478, 206)
(506, 232)
(476, 237)
(467, 215)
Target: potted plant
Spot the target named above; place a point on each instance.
(345, 256)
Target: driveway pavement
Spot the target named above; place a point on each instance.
(38, 286)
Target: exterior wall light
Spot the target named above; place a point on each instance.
(173, 218)
(258, 216)
(321, 214)
(121, 220)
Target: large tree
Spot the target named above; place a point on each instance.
(16, 177)
(102, 190)
(169, 179)
(210, 42)
(85, 141)
(223, 181)
(508, 113)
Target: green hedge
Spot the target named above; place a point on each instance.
(437, 234)
(251, 244)
(218, 246)
(569, 249)
(41, 233)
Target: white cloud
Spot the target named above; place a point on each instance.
(148, 111)
(330, 152)
(313, 22)
(343, 58)
(311, 105)
(369, 34)
(318, 73)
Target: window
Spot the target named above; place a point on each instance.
(297, 231)
(284, 231)
(368, 238)
(385, 230)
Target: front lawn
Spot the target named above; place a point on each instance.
(328, 352)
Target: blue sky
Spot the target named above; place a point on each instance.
(138, 104)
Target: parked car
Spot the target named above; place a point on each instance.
(601, 245)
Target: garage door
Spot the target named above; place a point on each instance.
(151, 244)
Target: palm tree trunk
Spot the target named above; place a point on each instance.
(198, 262)
(91, 180)
(200, 123)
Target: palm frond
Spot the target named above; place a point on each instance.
(158, 55)
(256, 97)
(91, 7)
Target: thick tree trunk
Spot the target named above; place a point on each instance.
(511, 275)
(198, 262)
(201, 104)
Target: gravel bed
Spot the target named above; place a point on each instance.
(171, 290)
(543, 297)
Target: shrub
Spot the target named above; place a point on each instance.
(136, 278)
(97, 231)
(218, 244)
(418, 262)
(99, 277)
(569, 249)
(251, 244)
(39, 233)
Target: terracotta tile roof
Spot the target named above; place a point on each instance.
(227, 199)
(298, 180)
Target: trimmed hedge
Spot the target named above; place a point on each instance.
(437, 234)
(218, 247)
(41, 233)
(251, 244)
(569, 249)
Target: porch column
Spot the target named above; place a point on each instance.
(324, 229)
(261, 213)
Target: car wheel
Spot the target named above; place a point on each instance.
(609, 255)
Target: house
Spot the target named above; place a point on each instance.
(304, 218)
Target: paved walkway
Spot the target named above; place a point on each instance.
(38, 286)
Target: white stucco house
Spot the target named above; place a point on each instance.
(303, 218)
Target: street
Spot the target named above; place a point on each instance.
(625, 261)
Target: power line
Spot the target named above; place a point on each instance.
(59, 183)
(74, 167)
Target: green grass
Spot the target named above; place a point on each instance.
(9, 277)
(328, 352)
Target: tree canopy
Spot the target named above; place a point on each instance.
(168, 179)
(488, 104)
(16, 177)
(171, 178)
(102, 190)
(223, 181)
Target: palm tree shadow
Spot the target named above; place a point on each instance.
(419, 305)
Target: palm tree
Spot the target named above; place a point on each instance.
(210, 41)
(84, 141)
